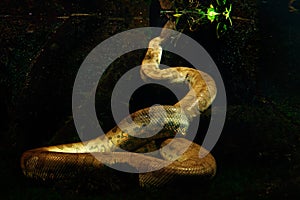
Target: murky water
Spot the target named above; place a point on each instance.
(259, 59)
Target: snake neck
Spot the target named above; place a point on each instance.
(202, 87)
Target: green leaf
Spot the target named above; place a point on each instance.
(177, 15)
(221, 29)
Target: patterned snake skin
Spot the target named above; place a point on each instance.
(65, 161)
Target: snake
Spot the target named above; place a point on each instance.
(66, 161)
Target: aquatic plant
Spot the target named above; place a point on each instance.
(194, 13)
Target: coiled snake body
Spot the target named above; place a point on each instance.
(64, 161)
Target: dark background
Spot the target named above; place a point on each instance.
(258, 152)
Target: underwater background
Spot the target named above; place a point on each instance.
(43, 44)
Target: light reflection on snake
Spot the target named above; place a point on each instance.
(63, 161)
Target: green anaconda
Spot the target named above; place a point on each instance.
(58, 162)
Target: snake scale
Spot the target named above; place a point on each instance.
(68, 160)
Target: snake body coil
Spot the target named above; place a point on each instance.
(68, 160)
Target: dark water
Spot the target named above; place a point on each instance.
(280, 57)
(258, 152)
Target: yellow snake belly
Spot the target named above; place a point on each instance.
(66, 160)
